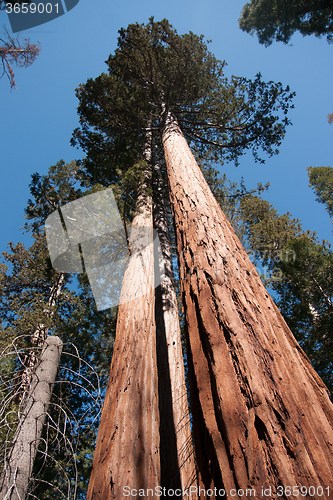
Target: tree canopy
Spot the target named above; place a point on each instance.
(321, 180)
(154, 70)
(278, 20)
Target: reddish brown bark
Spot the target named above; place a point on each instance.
(261, 415)
(127, 450)
(144, 438)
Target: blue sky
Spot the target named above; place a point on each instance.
(38, 118)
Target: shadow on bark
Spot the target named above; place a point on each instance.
(170, 476)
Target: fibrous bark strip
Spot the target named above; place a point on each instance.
(127, 451)
(261, 415)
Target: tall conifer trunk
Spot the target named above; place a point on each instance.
(261, 415)
(178, 468)
(127, 449)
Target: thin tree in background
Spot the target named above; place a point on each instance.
(17, 472)
(38, 303)
(13, 51)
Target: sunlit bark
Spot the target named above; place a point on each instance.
(127, 450)
(261, 415)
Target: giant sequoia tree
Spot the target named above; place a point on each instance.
(255, 396)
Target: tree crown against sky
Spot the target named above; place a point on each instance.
(49, 192)
(321, 180)
(154, 70)
(278, 20)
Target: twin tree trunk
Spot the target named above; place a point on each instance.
(262, 418)
(144, 439)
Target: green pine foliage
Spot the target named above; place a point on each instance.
(266, 233)
(321, 181)
(153, 71)
(277, 20)
(298, 268)
(305, 299)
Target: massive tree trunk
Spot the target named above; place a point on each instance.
(177, 459)
(262, 417)
(144, 438)
(127, 450)
(14, 481)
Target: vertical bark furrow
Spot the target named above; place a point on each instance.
(170, 475)
(203, 441)
(255, 388)
(229, 453)
(178, 468)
